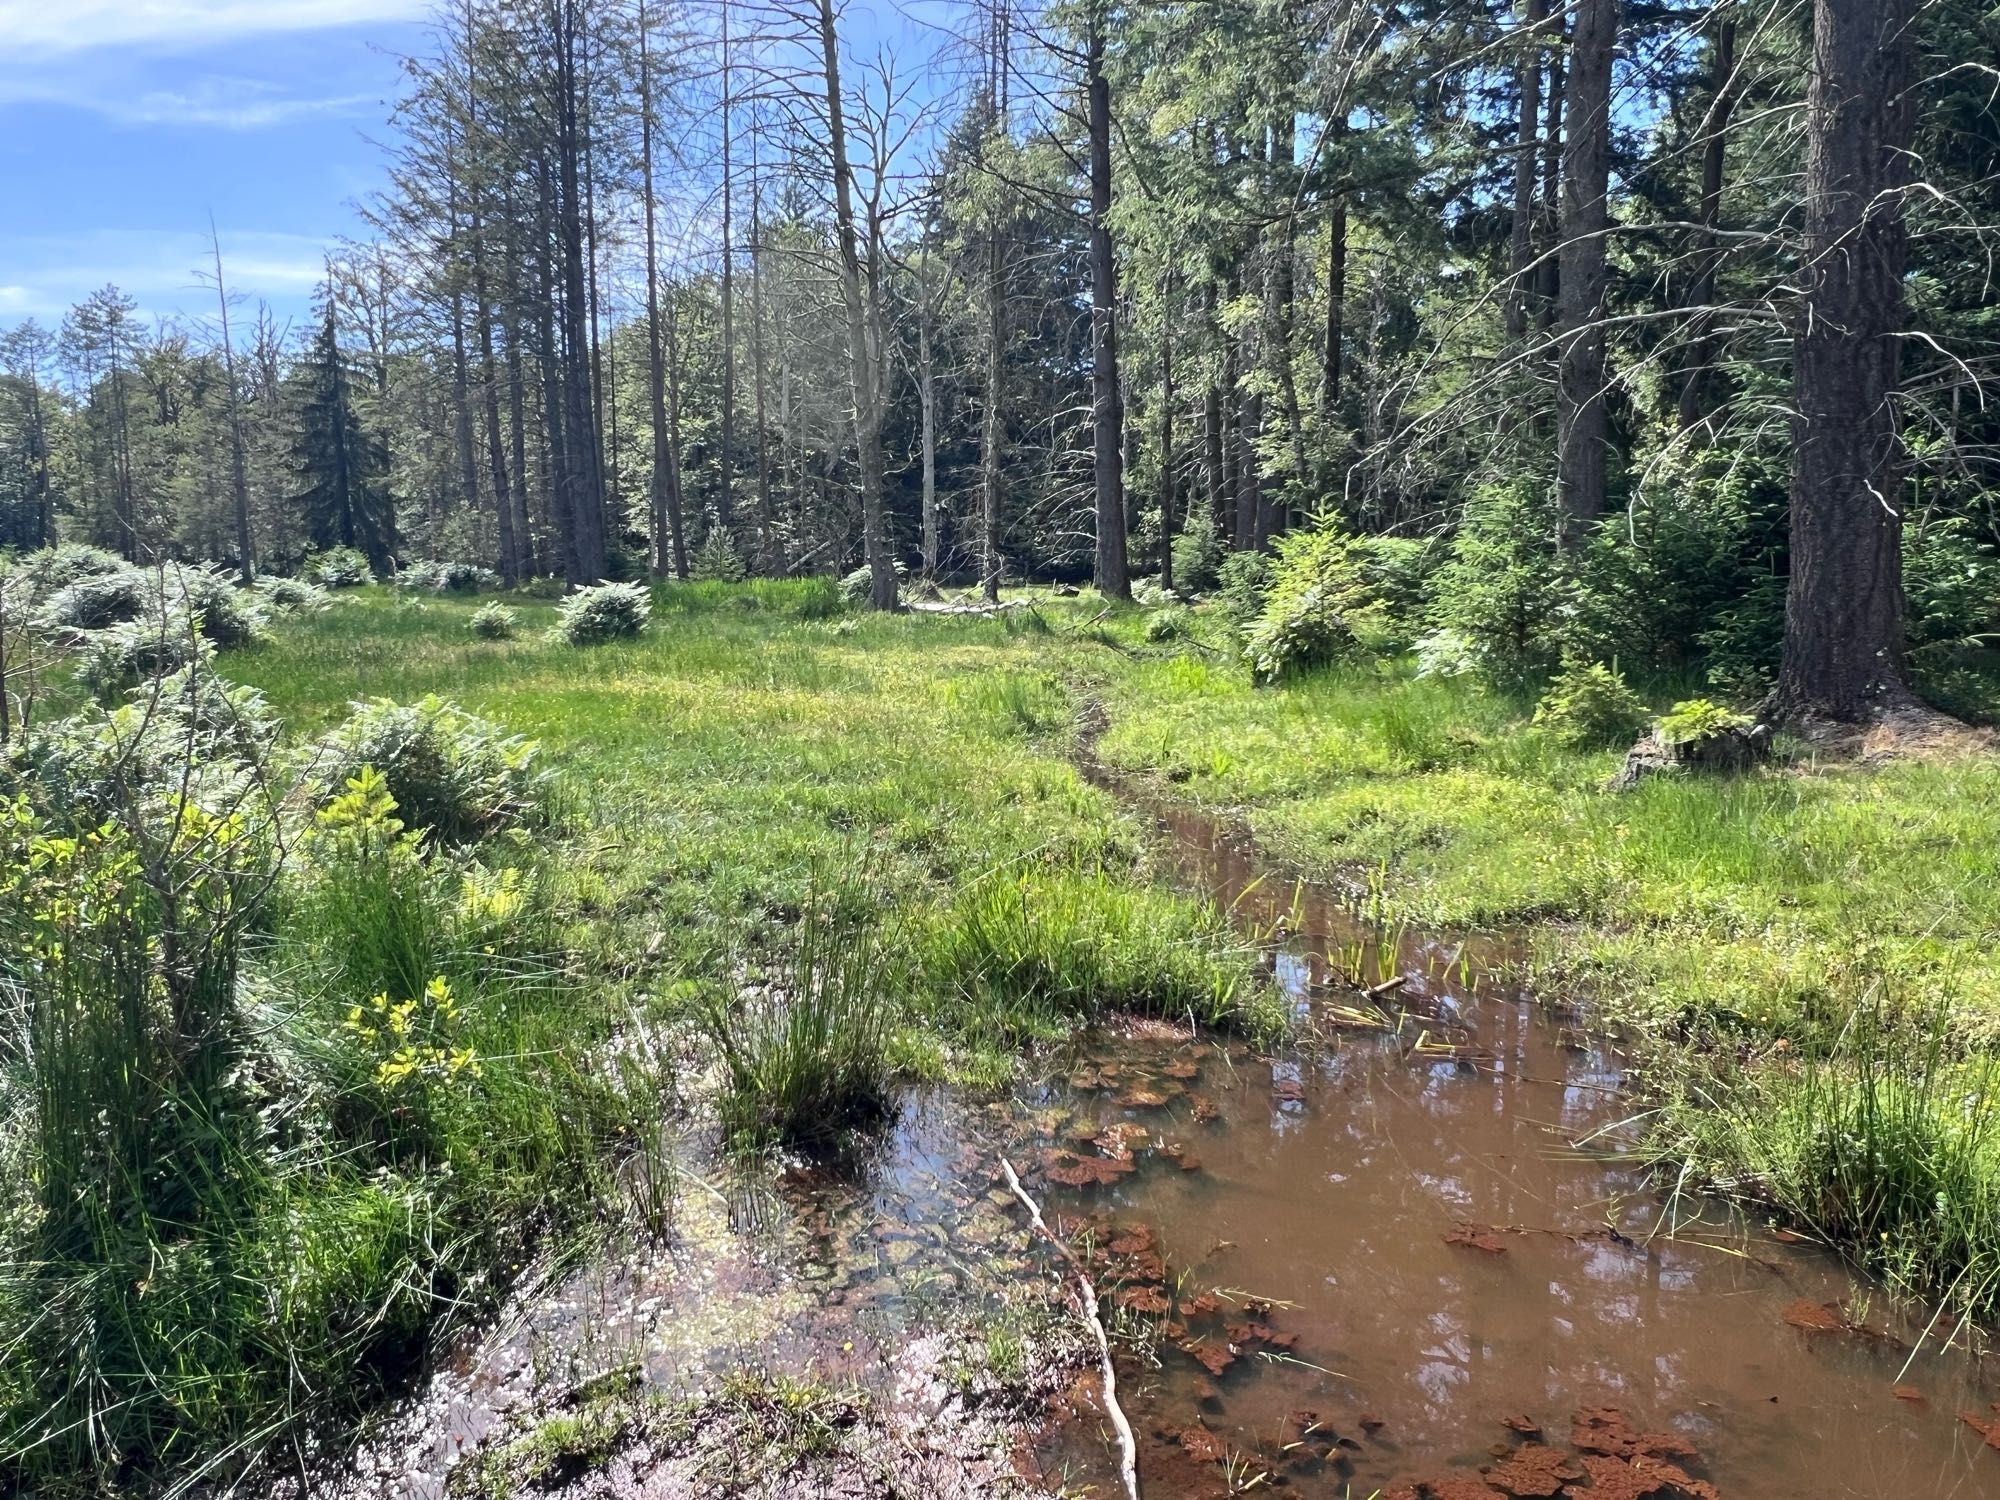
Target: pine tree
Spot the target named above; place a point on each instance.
(345, 469)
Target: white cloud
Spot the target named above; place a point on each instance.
(216, 100)
(235, 103)
(59, 26)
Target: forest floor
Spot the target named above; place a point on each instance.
(1796, 953)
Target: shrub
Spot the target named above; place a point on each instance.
(717, 559)
(1504, 590)
(338, 568)
(1242, 580)
(54, 569)
(138, 651)
(1589, 706)
(495, 622)
(228, 617)
(858, 587)
(184, 732)
(425, 575)
(609, 612)
(1446, 653)
(1198, 553)
(454, 776)
(1696, 719)
(1319, 592)
(1174, 623)
(95, 601)
(290, 595)
(1952, 582)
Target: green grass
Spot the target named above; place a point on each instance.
(1765, 916)
(1769, 900)
(808, 850)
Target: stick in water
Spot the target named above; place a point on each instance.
(1128, 1447)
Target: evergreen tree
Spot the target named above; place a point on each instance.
(345, 500)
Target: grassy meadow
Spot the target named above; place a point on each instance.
(735, 876)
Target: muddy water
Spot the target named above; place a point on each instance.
(1347, 1267)
(1437, 1256)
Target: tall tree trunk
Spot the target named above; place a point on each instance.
(725, 495)
(1280, 276)
(1215, 464)
(927, 415)
(1548, 289)
(1694, 402)
(860, 352)
(582, 477)
(994, 428)
(767, 519)
(239, 477)
(669, 541)
(463, 445)
(1167, 298)
(1336, 311)
(489, 383)
(1843, 653)
(1107, 420)
(517, 423)
(1583, 426)
(1527, 137)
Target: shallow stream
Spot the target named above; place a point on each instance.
(1390, 1256)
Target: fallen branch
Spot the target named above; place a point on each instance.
(1128, 1446)
(1388, 986)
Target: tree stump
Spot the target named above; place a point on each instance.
(1728, 750)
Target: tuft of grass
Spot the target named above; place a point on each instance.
(807, 1059)
(1034, 950)
(1886, 1144)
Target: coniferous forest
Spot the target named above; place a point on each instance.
(854, 642)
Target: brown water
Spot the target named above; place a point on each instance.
(1397, 1219)
(1445, 1258)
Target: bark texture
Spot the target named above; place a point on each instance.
(1843, 652)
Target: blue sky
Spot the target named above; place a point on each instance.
(125, 123)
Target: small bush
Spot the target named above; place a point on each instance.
(287, 596)
(858, 587)
(495, 622)
(1242, 580)
(138, 651)
(432, 577)
(717, 560)
(95, 601)
(609, 612)
(1319, 593)
(185, 731)
(54, 569)
(1952, 581)
(1174, 623)
(455, 776)
(1198, 553)
(228, 616)
(338, 568)
(1693, 720)
(1446, 653)
(1589, 706)
(1504, 590)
